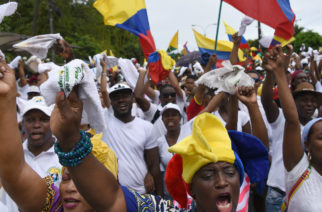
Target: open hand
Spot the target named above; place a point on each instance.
(65, 119)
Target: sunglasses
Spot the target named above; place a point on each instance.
(167, 95)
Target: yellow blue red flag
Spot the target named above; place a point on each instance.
(230, 31)
(206, 47)
(131, 16)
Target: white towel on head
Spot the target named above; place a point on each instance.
(244, 23)
(226, 78)
(15, 62)
(7, 9)
(39, 45)
(129, 72)
(42, 67)
(76, 72)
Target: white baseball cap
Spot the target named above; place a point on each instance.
(171, 106)
(119, 87)
(38, 103)
(33, 89)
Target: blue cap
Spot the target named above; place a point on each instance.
(306, 130)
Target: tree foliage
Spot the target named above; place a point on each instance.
(309, 38)
(79, 23)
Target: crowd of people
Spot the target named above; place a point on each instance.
(195, 141)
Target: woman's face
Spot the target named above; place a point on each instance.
(71, 198)
(215, 187)
(171, 119)
(315, 142)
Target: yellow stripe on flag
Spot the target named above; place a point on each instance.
(222, 45)
(283, 41)
(118, 11)
(229, 30)
(174, 41)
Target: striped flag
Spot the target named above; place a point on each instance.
(230, 31)
(173, 43)
(131, 16)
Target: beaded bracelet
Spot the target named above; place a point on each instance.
(77, 154)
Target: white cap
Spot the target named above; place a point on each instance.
(33, 89)
(119, 87)
(171, 106)
(37, 102)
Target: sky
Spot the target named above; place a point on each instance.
(168, 16)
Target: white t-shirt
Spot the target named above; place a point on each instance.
(243, 118)
(309, 195)
(45, 164)
(165, 155)
(276, 174)
(128, 141)
(22, 90)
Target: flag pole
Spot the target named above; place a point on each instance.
(218, 23)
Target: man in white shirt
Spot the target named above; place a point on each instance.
(39, 145)
(130, 138)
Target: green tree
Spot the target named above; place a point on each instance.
(309, 38)
(79, 23)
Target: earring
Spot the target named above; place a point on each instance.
(309, 156)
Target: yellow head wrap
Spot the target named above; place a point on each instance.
(208, 143)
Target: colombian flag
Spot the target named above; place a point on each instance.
(280, 41)
(224, 48)
(275, 13)
(174, 43)
(230, 31)
(160, 64)
(131, 16)
(185, 49)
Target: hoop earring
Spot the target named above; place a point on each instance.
(309, 156)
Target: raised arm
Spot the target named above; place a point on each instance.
(292, 148)
(143, 103)
(211, 62)
(270, 107)
(313, 75)
(247, 95)
(214, 103)
(234, 53)
(104, 91)
(174, 82)
(21, 182)
(22, 76)
(95, 183)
